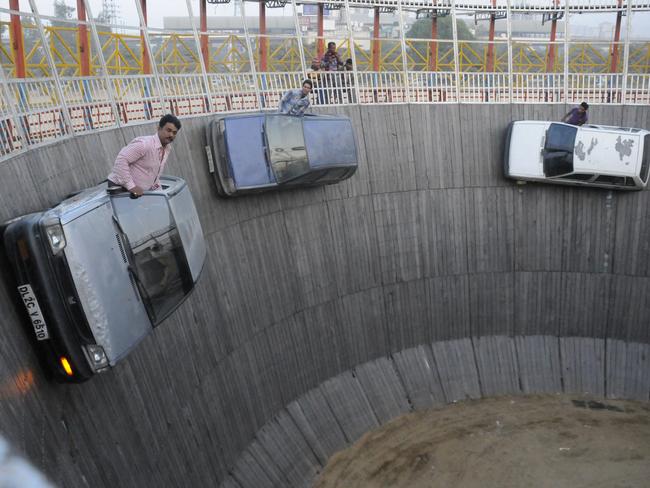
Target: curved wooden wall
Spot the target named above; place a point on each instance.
(426, 278)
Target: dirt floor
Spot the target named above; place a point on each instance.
(535, 441)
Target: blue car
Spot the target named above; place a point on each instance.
(260, 152)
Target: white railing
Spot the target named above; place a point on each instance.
(595, 88)
(89, 103)
(538, 88)
(637, 91)
(381, 87)
(37, 111)
(531, 5)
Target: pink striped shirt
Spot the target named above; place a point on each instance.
(140, 163)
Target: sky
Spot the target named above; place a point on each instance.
(158, 9)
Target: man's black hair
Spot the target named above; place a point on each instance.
(348, 61)
(331, 43)
(585, 105)
(309, 82)
(169, 119)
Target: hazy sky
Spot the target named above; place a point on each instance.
(157, 9)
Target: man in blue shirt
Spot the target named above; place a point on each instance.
(577, 115)
(295, 102)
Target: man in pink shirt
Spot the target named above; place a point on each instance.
(138, 165)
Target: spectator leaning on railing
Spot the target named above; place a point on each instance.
(295, 102)
(577, 115)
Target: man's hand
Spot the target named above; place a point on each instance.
(136, 191)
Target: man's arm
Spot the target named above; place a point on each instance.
(569, 114)
(126, 157)
(284, 102)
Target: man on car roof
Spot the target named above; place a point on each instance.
(139, 164)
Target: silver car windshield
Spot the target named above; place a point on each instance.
(161, 267)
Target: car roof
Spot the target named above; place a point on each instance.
(607, 150)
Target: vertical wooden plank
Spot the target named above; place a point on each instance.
(490, 232)
(630, 254)
(491, 311)
(350, 405)
(584, 303)
(538, 357)
(389, 148)
(287, 448)
(482, 129)
(398, 217)
(436, 145)
(539, 226)
(496, 361)
(457, 369)
(318, 424)
(449, 299)
(628, 370)
(590, 230)
(383, 389)
(537, 302)
(419, 375)
(354, 236)
(583, 365)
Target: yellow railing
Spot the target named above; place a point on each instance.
(178, 54)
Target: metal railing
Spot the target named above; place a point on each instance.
(126, 88)
(33, 112)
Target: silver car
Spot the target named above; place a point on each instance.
(97, 272)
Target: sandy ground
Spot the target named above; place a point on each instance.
(535, 441)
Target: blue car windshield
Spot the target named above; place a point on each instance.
(286, 147)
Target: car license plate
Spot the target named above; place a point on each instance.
(34, 312)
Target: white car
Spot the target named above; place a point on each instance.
(590, 155)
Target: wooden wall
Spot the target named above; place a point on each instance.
(426, 278)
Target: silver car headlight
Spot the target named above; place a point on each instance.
(97, 357)
(55, 236)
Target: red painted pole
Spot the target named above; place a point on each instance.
(375, 42)
(146, 63)
(320, 44)
(84, 51)
(490, 53)
(617, 37)
(433, 46)
(263, 40)
(205, 52)
(17, 42)
(550, 60)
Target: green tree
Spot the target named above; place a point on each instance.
(421, 29)
(62, 11)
